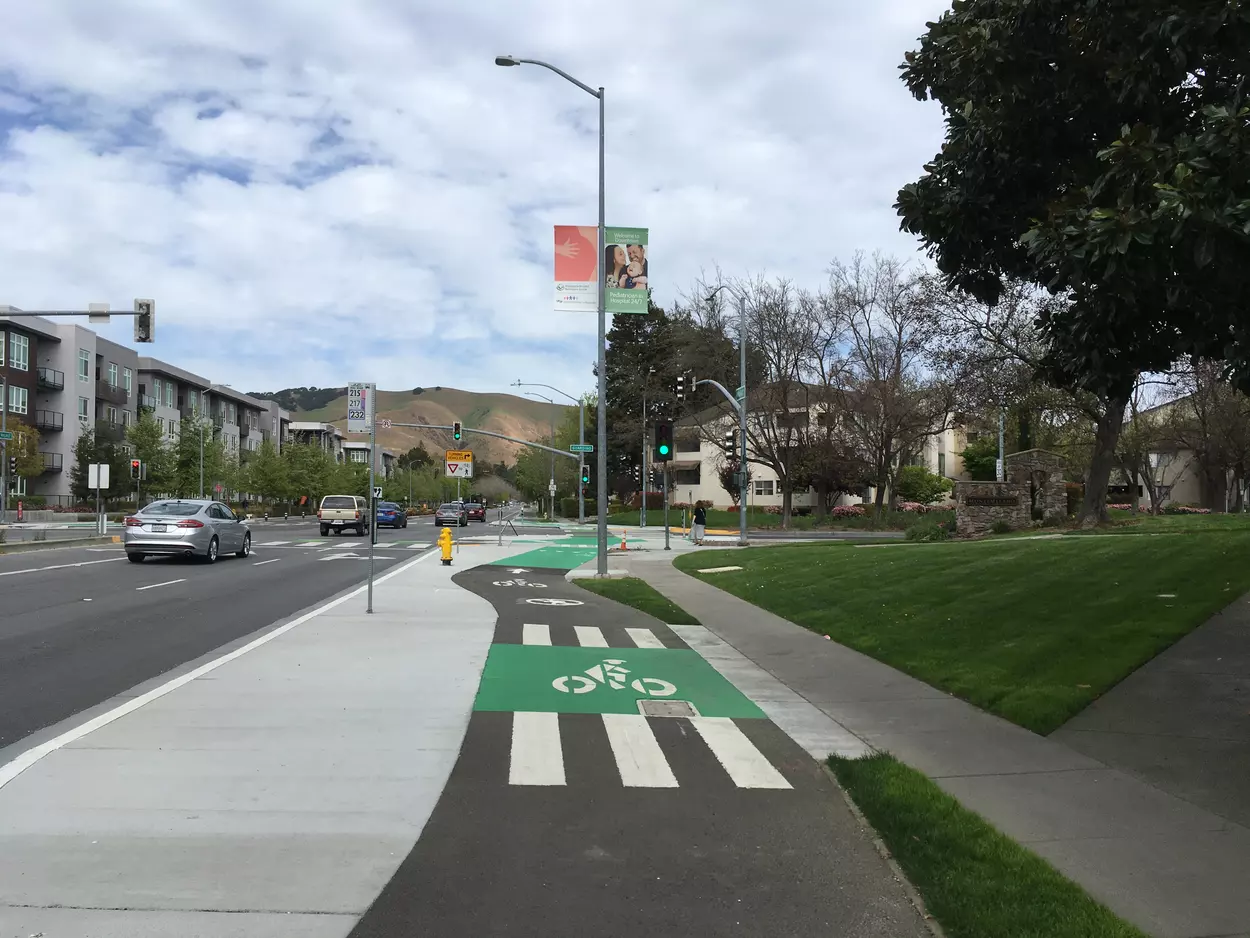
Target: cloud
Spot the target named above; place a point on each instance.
(318, 192)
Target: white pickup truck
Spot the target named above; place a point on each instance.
(344, 511)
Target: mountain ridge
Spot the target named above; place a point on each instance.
(509, 414)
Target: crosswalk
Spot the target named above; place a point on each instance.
(538, 747)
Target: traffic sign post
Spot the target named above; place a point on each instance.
(98, 479)
(361, 411)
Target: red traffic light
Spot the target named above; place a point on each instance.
(134, 464)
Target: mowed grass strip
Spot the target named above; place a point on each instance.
(976, 881)
(1030, 630)
(631, 591)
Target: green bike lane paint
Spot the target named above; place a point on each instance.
(612, 782)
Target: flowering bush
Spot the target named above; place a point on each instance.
(1120, 507)
(1185, 510)
(849, 511)
(914, 507)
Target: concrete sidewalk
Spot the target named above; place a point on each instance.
(270, 789)
(1172, 868)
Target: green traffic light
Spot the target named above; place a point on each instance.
(663, 449)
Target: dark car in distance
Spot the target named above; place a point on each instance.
(475, 511)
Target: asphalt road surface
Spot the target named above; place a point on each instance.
(80, 625)
(570, 812)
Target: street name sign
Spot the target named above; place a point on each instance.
(582, 448)
(6, 434)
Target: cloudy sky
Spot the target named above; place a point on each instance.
(317, 192)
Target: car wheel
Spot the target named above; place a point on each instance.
(211, 555)
(247, 546)
(135, 558)
(325, 532)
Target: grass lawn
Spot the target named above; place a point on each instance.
(631, 591)
(1123, 522)
(975, 881)
(1030, 630)
(761, 520)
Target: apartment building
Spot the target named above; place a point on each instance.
(326, 435)
(358, 452)
(64, 380)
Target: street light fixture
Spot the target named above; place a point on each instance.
(601, 430)
(581, 438)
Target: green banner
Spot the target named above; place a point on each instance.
(626, 269)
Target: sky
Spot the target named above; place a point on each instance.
(320, 192)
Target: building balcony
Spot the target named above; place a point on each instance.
(106, 431)
(245, 429)
(49, 420)
(49, 379)
(53, 462)
(188, 413)
(147, 402)
(110, 393)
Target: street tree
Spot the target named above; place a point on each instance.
(149, 444)
(1096, 150)
(25, 447)
(265, 473)
(91, 449)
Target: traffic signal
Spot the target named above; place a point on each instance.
(681, 386)
(585, 475)
(12, 467)
(455, 431)
(663, 440)
(136, 468)
(145, 320)
(731, 443)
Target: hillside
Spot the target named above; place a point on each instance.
(503, 413)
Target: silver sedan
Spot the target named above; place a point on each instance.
(187, 527)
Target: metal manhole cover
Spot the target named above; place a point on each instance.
(666, 708)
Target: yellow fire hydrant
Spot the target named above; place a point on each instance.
(444, 543)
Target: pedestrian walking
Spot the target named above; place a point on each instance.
(700, 522)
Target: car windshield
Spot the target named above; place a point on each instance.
(172, 509)
(472, 505)
(387, 506)
(450, 506)
(338, 501)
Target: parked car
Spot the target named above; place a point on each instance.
(187, 527)
(343, 511)
(475, 511)
(451, 513)
(391, 515)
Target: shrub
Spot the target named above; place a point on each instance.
(848, 511)
(928, 530)
(1186, 510)
(918, 484)
(568, 507)
(1075, 492)
(913, 507)
(1001, 527)
(654, 500)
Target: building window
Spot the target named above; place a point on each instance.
(160, 424)
(169, 394)
(127, 379)
(192, 402)
(18, 399)
(2, 344)
(156, 389)
(763, 486)
(173, 428)
(112, 374)
(83, 406)
(125, 418)
(84, 365)
(19, 352)
(110, 413)
(942, 464)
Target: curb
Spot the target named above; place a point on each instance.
(24, 547)
(930, 922)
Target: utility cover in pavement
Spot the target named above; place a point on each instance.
(666, 708)
(559, 679)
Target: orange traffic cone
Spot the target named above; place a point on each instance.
(624, 546)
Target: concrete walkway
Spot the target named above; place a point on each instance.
(1171, 867)
(271, 789)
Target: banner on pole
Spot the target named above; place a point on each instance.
(624, 269)
(360, 406)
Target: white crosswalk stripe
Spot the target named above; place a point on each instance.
(534, 634)
(537, 757)
(745, 764)
(537, 754)
(273, 543)
(644, 638)
(590, 636)
(638, 755)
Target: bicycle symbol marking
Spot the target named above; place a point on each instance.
(612, 673)
(520, 582)
(544, 601)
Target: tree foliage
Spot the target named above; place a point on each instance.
(1097, 149)
(918, 484)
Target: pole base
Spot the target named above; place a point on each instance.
(446, 563)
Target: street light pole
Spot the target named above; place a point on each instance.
(581, 437)
(551, 497)
(601, 430)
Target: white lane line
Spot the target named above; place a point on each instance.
(537, 757)
(152, 586)
(261, 563)
(745, 764)
(589, 636)
(644, 638)
(534, 634)
(12, 769)
(638, 756)
(417, 546)
(60, 566)
(274, 543)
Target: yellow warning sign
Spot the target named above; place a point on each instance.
(459, 455)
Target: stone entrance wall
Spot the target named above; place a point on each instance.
(1039, 473)
(979, 504)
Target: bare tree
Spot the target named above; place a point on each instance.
(1144, 452)
(1211, 419)
(887, 399)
